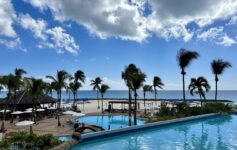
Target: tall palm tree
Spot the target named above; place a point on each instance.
(80, 77)
(184, 58)
(136, 82)
(35, 88)
(199, 86)
(96, 86)
(103, 89)
(126, 75)
(218, 67)
(146, 88)
(9, 82)
(18, 85)
(73, 87)
(58, 83)
(157, 83)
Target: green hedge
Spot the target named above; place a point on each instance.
(183, 110)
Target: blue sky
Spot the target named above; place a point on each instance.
(102, 37)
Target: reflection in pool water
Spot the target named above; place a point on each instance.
(65, 138)
(115, 122)
(216, 133)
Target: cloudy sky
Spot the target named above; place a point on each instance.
(102, 37)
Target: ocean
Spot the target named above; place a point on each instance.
(224, 95)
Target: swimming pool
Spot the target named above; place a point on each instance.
(65, 138)
(115, 122)
(203, 134)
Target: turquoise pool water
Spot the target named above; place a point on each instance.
(115, 122)
(218, 133)
(65, 138)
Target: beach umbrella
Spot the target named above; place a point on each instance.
(28, 111)
(78, 115)
(69, 112)
(26, 123)
(7, 111)
(40, 110)
(51, 108)
(17, 112)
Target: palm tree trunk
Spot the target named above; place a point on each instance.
(97, 92)
(59, 101)
(200, 98)
(144, 101)
(74, 100)
(3, 120)
(14, 107)
(155, 96)
(216, 79)
(129, 107)
(102, 105)
(135, 108)
(33, 112)
(183, 74)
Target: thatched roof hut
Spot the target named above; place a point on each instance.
(24, 98)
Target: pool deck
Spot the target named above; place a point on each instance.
(44, 126)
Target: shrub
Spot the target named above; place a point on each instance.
(181, 107)
(27, 141)
(216, 107)
(164, 110)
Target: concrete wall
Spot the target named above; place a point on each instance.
(126, 130)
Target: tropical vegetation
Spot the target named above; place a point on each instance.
(218, 67)
(103, 89)
(96, 86)
(184, 58)
(199, 86)
(26, 141)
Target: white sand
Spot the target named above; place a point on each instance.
(92, 105)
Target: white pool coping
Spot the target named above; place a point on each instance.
(126, 130)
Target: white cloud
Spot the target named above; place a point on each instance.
(7, 16)
(129, 20)
(233, 20)
(217, 36)
(119, 19)
(55, 38)
(36, 26)
(12, 44)
(61, 40)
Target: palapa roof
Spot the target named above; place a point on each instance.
(24, 98)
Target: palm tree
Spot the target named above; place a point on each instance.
(126, 75)
(35, 88)
(48, 89)
(157, 83)
(136, 81)
(18, 85)
(218, 67)
(73, 87)
(184, 58)
(103, 89)
(96, 86)
(9, 82)
(80, 77)
(58, 83)
(199, 86)
(146, 88)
